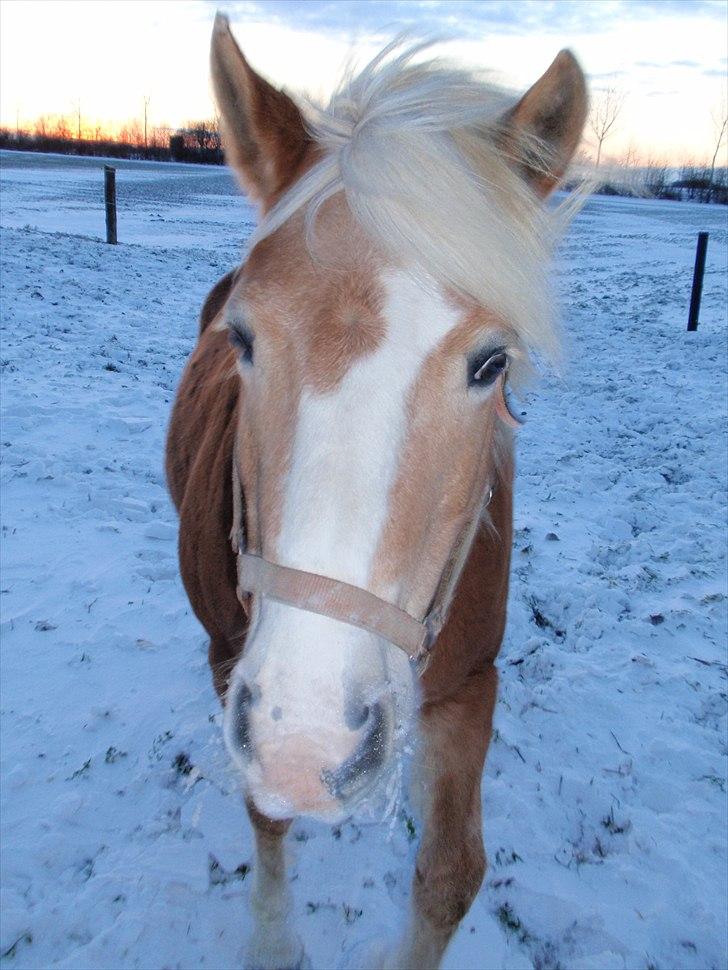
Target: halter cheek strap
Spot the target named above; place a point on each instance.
(502, 408)
(353, 604)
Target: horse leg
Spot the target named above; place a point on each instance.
(451, 860)
(274, 944)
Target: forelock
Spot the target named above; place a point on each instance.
(415, 146)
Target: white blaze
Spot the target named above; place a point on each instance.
(345, 457)
(348, 441)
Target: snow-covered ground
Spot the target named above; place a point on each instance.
(124, 840)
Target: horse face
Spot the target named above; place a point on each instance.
(367, 425)
(368, 405)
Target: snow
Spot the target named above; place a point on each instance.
(125, 842)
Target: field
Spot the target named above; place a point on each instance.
(124, 839)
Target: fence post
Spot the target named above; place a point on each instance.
(110, 200)
(698, 274)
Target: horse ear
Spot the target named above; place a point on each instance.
(543, 130)
(262, 129)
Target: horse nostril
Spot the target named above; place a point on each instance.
(356, 716)
(241, 720)
(351, 776)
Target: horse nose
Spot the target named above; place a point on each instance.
(357, 772)
(294, 768)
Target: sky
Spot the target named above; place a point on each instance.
(668, 57)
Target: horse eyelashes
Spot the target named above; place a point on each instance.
(242, 340)
(484, 368)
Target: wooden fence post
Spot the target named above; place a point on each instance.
(110, 200)
(698, 274)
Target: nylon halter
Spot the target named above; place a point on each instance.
(352, 604)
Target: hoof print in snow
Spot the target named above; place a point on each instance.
(113, 754)
(9, 953)
(42, 626)
(615, 827)
(220, 876)
(80, 771)
(351, 913)
(182, 764)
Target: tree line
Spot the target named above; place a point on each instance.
(650, 178)
(197, 141)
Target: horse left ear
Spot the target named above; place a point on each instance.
(543, 130)
(263, 132)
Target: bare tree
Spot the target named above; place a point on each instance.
(160, 136)
(603, 115)
(656, 177)
(61, 129)
(78, 115)
(720, 123)
(147, 99)
(131, 133)
(203, 135)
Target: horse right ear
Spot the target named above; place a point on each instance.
(263, 133)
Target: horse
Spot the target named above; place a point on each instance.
(341, 452)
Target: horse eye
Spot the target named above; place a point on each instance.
(242, 340)
(485, 367)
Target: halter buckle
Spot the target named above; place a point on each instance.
(432, 624)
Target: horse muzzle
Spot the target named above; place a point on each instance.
(315, 767)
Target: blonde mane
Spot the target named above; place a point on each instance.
(418, 149)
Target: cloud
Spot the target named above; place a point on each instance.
(668, 64)
(606, 75)
(469, 18)
(714, 9)
(376, 17)
(685, 64)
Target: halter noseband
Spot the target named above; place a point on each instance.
(353, 604)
